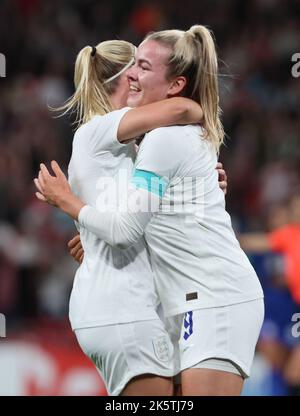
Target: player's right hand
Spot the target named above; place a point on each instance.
(222, 177)
(76, 249)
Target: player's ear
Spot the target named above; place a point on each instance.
(177, 86)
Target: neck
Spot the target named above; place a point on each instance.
(116, 101)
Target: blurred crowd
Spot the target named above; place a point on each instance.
(259, 96)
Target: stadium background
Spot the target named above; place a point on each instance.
(260, 98)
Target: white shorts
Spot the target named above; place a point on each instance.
(222, 338)
(123, 351)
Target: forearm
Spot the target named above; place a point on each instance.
(172, 111)
(254, 242)
(123, 227)
(116, 228)
(71, 205)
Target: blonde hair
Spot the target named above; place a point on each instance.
(193, 55)
(96, 78)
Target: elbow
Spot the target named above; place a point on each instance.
(125, 232)
(186, 112)
(181, 112)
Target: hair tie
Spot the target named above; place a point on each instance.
(131, 62)
(94, 50)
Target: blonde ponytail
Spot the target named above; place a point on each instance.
(206, 89)
(96, 78)
(193, 55)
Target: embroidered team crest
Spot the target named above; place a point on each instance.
(161, 348)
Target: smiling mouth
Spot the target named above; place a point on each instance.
(133, 89)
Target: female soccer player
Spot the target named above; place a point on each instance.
(210, 293)
(113, 301)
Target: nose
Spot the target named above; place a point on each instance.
(132, 73)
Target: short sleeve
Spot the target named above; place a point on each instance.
(278, 239)
(102, 132)
(162, 152)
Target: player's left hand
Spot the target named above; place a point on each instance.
(222, 177)
(76, 249)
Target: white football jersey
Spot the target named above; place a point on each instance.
(111, 285)
(195, 256)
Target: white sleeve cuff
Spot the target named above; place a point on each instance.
(82, 214)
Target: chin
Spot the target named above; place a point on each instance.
(133, 102)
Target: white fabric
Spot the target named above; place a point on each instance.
(123, 351)
(197, 260)
(121, 228)
(221, 365)
(111, 285)
(228, 333)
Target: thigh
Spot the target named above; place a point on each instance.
(210, 382)
(149, 385)
(157, 358)
(131, 357)
(230, 333)
(226, 336)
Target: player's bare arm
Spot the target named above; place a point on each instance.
(254, 242)
(172, 111)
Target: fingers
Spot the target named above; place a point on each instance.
(41, 180)
(75, 250)
(40, 197)
(222, 175)
(42, 176)
(47, 184)
(37, 184)
(223, 186)
(44, 171)
(72, 243)
(221, 172)
(56, 169)
(79, 256)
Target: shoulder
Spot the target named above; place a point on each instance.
(169, 131)
(171, 140)
(87, 129)
(102, 127)
(163, 150)
(105, 119)
(165, 136)
(175, 132)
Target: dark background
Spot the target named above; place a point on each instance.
(260, 99)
